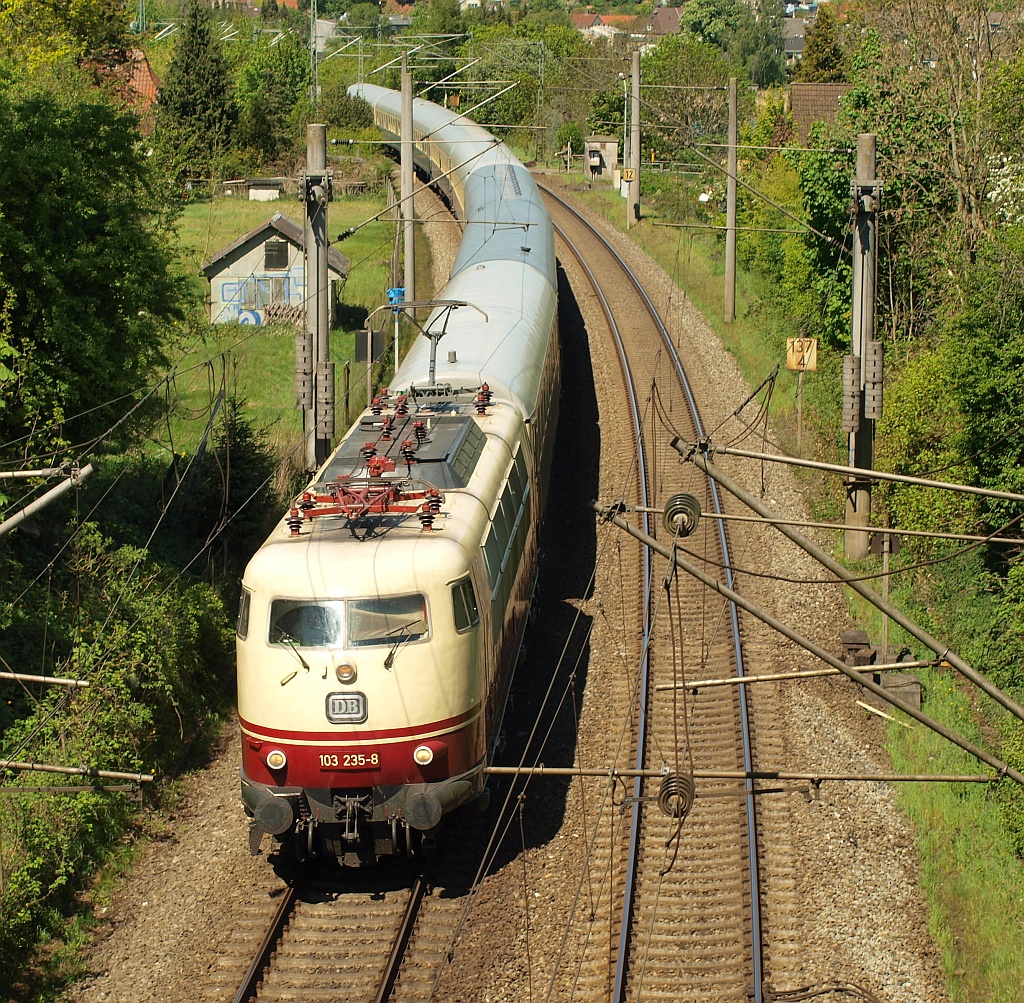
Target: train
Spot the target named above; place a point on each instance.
(381, 622)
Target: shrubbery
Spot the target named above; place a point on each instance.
(155, 649)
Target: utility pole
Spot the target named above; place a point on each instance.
(314, 371)
(862, 368)
(633, 211)
(625, 128)
(408, 228)
(314, 83)
(730, 213)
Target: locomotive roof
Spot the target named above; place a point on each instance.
(446, 458)
(505, 349)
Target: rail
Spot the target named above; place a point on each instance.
(754, 891)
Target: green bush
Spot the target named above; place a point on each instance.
(156, 651)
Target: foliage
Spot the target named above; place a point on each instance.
(270, 83)
(84, 259)
(683, 61)
(36, 33)
(337, 109)
(155, 650)
(825, 173)
(711, 20)
(921, 434)
(571, 133)
(195, 113)
(756, 42)
(824, 60)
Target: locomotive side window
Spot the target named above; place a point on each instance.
(464, 606)
(305, 623)
(242, 627)
(386, 620)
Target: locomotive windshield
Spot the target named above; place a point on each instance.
(384, 621)
(305, 623)
(336, 623)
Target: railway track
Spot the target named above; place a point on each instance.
(672, 908)
(686, 896)
(347, 933)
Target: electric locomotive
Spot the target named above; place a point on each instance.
(380, 623)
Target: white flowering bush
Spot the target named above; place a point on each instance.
(1007, 189)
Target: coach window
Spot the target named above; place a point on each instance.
(306, 624)
(242, 628)
(386, 620)
(464, 606)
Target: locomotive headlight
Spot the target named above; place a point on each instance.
(276, 759)
(423, 754)
(345, 672)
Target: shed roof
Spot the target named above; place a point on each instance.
(280, 226)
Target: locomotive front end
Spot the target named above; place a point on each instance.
(360, 714)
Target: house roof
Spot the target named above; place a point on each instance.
(664, 21)
(585, 21)
(141, 78)
(814, 103)
(621, 21)
(279, 226)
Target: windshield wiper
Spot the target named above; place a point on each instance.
(294, 648)
(390, 659)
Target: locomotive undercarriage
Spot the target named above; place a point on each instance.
(358, 828)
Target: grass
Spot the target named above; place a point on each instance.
(972, 879)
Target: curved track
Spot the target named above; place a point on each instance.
(688, 923)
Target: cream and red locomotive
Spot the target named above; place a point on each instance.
(380, 623)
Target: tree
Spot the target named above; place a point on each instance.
(824, 60)
(711, 20)
(683, 61)
(195, 111)
(271, 80)
(757, 43)
(85, 282)
(35, 33)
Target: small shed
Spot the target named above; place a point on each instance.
(261, 276)
(600, 157)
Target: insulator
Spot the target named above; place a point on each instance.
(408, 452)
(376, 407)
(420, 428)
(303, 369)
(369, 451)
(485, 392)
(434, 501)
(325, 398)
(682, 513)
(307, 501)
(851, 393)
(676, 794)
(426, 518)
(294, 521)
(388, 425)
(402, 405)
(385, 394)
(873, 377)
